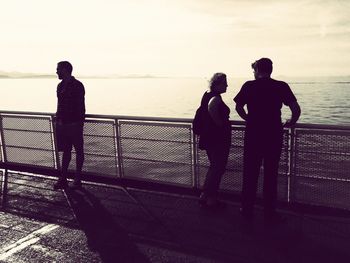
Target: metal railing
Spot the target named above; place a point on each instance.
(314, 167)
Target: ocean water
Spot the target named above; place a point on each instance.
(323, 101)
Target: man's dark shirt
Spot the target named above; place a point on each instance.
(70, 101)
(264, 98)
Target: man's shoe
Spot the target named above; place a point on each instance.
(60, 184)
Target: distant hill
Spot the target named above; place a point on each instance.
(19, 75)
(22, 75)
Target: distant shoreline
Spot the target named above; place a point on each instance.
(27, 77)
(43, 76)
(289, 79)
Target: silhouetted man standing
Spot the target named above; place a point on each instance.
(263, 137)
(70, 117)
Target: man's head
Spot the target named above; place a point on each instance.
(262, 68)
(64, 69)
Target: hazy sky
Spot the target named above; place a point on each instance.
(176, 37)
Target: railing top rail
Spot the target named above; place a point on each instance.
(101, 116)
(26, 113)
(172, 119)
(322, 126)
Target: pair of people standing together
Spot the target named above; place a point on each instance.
(263, 137)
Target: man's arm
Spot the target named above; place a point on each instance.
(241, 100)
(77, 103)
(81, 102)
(296, 111)
(241, 111)
(58, 111)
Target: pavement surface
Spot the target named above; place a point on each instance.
(109, 224)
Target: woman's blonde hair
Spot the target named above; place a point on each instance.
(216, 79)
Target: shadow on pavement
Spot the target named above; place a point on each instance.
(133, 225)
(33, 197)
(103, 234)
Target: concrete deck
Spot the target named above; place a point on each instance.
(111, 224)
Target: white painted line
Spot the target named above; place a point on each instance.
(18, 247)
(26, 241)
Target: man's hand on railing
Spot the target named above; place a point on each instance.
(289, 124)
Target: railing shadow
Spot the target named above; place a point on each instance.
(33, 197)
(103, 234)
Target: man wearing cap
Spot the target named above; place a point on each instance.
(264, 98)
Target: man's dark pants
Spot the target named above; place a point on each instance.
(70, 135)
(261, 147)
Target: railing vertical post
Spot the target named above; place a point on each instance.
(194, 161)
(54, 145)
(5, 176)
(291, 162)
(119, 156)
(4, 189)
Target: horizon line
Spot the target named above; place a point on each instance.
(23, 75)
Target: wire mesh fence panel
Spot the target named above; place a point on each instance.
(322, 168)
(99, 148)
(28, 140)
(321, 192)
(232, 179)
(160, 152)
(26, 123)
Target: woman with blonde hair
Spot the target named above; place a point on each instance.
(216, 139)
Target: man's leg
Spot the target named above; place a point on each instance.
(79, 164)
(251, 168)
(79, 149)
(270, 183)
(67, 156)
(62, 181)
(271, 164)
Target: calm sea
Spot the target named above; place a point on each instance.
(325, 101)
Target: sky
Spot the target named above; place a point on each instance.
(176, 38)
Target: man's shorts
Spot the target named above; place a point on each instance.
(68, 135)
